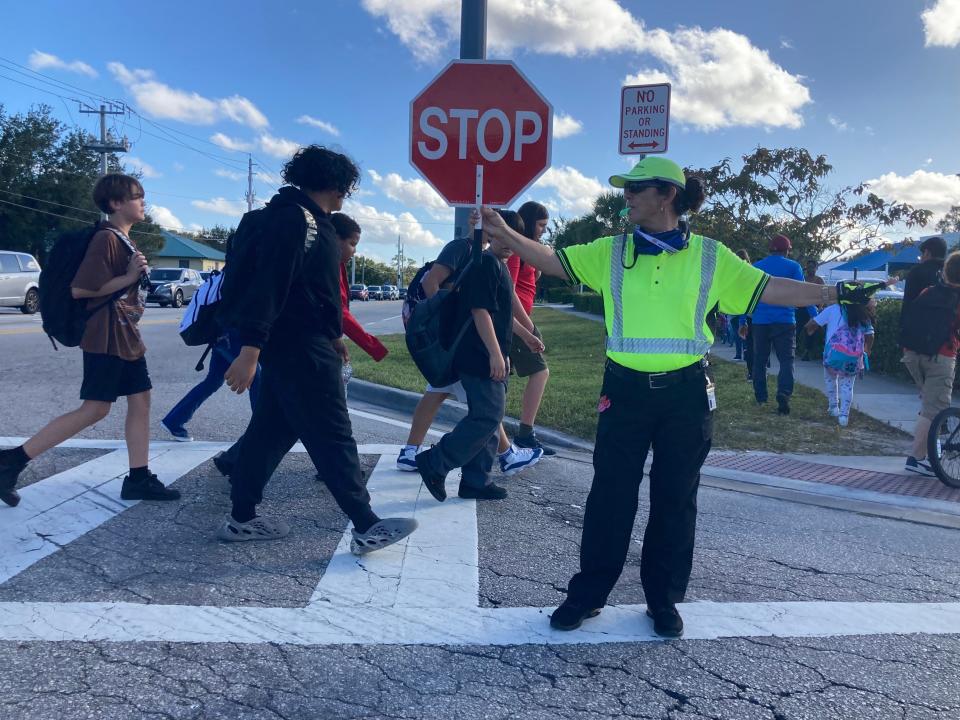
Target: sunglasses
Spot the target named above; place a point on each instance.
(638, 186)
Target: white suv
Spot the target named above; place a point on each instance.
(19, 281)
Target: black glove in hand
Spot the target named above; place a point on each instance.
(851, 292)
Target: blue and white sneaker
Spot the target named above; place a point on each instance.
(920, 467)
(407, 459)
(179, 434)
(515, 459)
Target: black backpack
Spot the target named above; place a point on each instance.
(64, 317)
(424, 336)
(414, 293)
(927, 323)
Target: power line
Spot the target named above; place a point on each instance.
(83, 220)
(49, 202)
(30, 72)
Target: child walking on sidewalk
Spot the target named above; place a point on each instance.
(849, 341)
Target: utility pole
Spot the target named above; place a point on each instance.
(473, 46)
(399, 260)
(106, 144)
(353, 270)
(251, 197)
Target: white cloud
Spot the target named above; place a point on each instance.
(719, 78)
(229, 143)
(322, 124)
(941, 24)
(197, 227)
(229, 174)
(837, 124)
(45, 61)
(565, 126)
(573, 192)
(135, 164)
(165, 218)
(414, 193)
(278, 147)
(380, 230)
(922, 189)
(162, 101)
(179, 167)
(785, 44)
(560, 27)
(221, 206)
(928, 161)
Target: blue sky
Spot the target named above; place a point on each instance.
(870, 83)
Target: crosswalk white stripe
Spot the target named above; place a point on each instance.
(369, 625)
(61, 508)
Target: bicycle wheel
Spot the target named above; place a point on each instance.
(945, 455)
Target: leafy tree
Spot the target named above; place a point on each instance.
(951, 221)
(46, 183)
(785, 191)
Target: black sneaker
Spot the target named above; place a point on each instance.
(10, 470)
(570, 616)
(435, 482)
(223, 466)
(149, 488)
(666, 621)
(487, 492)
(532, 442)
(783, 405)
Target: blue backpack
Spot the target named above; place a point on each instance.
(844, 349)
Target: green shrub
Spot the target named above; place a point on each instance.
(589, 302)
(886, 353)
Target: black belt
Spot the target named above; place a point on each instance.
(659, 380)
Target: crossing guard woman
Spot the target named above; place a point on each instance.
(658, 284)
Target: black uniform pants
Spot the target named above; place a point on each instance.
(675, 422)
(302, 397)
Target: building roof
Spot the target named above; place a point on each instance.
(181, 247)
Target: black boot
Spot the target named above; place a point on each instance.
(666, 620)
(12, 463)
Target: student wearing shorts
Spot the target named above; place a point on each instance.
(526, 359)
(444, 272)
(114, 363)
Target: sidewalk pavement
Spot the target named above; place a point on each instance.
(875, 485)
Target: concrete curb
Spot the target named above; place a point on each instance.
(451, 412)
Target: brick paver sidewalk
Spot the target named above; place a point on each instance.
(890, 483)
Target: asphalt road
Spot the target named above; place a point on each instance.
(116, 610)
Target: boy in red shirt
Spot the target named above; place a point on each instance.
(526, 361)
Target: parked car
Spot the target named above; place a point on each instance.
(402, 294)
(173, 286)
(205, 275)
(390, 292)
(376, 292)
(19, 281)
(359, 292)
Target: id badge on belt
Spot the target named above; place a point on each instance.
(711, 395)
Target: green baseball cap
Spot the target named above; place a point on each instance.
(652, 168)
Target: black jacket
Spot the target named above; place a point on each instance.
(920, 278)
(283, 288)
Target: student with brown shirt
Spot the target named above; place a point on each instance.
(113, 353)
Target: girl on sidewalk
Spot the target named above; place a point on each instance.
(849, 341)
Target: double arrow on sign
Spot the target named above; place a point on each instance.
(634, 146)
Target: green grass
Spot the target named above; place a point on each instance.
(575, 355)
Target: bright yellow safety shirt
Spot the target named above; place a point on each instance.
(656, 311)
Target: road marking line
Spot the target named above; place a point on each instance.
(436, 567)
(36, 330)
(369, 625)
(414, 593)
(59, 509)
